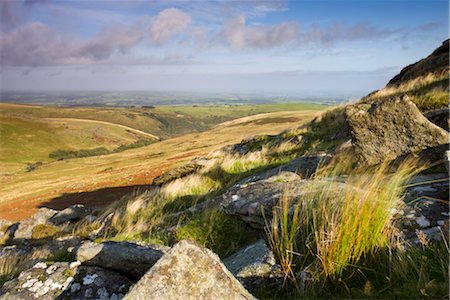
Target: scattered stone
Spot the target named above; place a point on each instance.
(390, 128)
(72, 213)
(25, 228)
(188, 271)
(130, 259)
(255, 266)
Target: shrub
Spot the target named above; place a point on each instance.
(43, 231)
(65, 154)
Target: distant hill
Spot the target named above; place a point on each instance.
(436, 63)
(425, 82)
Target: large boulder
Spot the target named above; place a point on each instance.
(25, 228)
(255, 266)
(130, 259)
(390, 128)
(72, 213)
(64, 280)
(188, 271)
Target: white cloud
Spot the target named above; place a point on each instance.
(167, 24)
(238, 35)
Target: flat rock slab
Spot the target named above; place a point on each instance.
(130, 259)
(188, 271)
(391, 128)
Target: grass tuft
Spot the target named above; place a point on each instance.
(333, 225)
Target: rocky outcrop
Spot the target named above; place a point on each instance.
(130, 259)
(436, 63)
(188, 271)
(72, 213)
(390, 128)
(64, 280)
(25, 228)
(255, 266)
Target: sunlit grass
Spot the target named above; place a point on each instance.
(332, 225)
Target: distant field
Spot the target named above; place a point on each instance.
(29, 133)
(31, 140)
(102, 179)
(162, 121)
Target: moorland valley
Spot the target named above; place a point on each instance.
(278, 200)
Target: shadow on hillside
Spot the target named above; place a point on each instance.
(96, 198)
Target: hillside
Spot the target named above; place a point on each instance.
(351, 203)
(24, 192)
(33, 134)
(426, 82)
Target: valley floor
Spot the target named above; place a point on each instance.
(102, 179)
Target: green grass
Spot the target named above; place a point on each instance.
(432, 100)
(215, 230)
(43, 231)
(332, 226)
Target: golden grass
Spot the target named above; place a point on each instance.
(135, 166)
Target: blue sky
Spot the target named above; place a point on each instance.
(277, 48)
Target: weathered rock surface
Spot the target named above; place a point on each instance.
(63, 280)
(254, 200)
(188, 271)
(255, 266)
(72, 213)
(130, 259)
(25, 228)
(390, 128)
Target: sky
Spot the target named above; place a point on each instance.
(276, 48)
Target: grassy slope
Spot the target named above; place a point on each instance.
(26, 191)
(30, 140)
(163, 121)
(29, 133)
